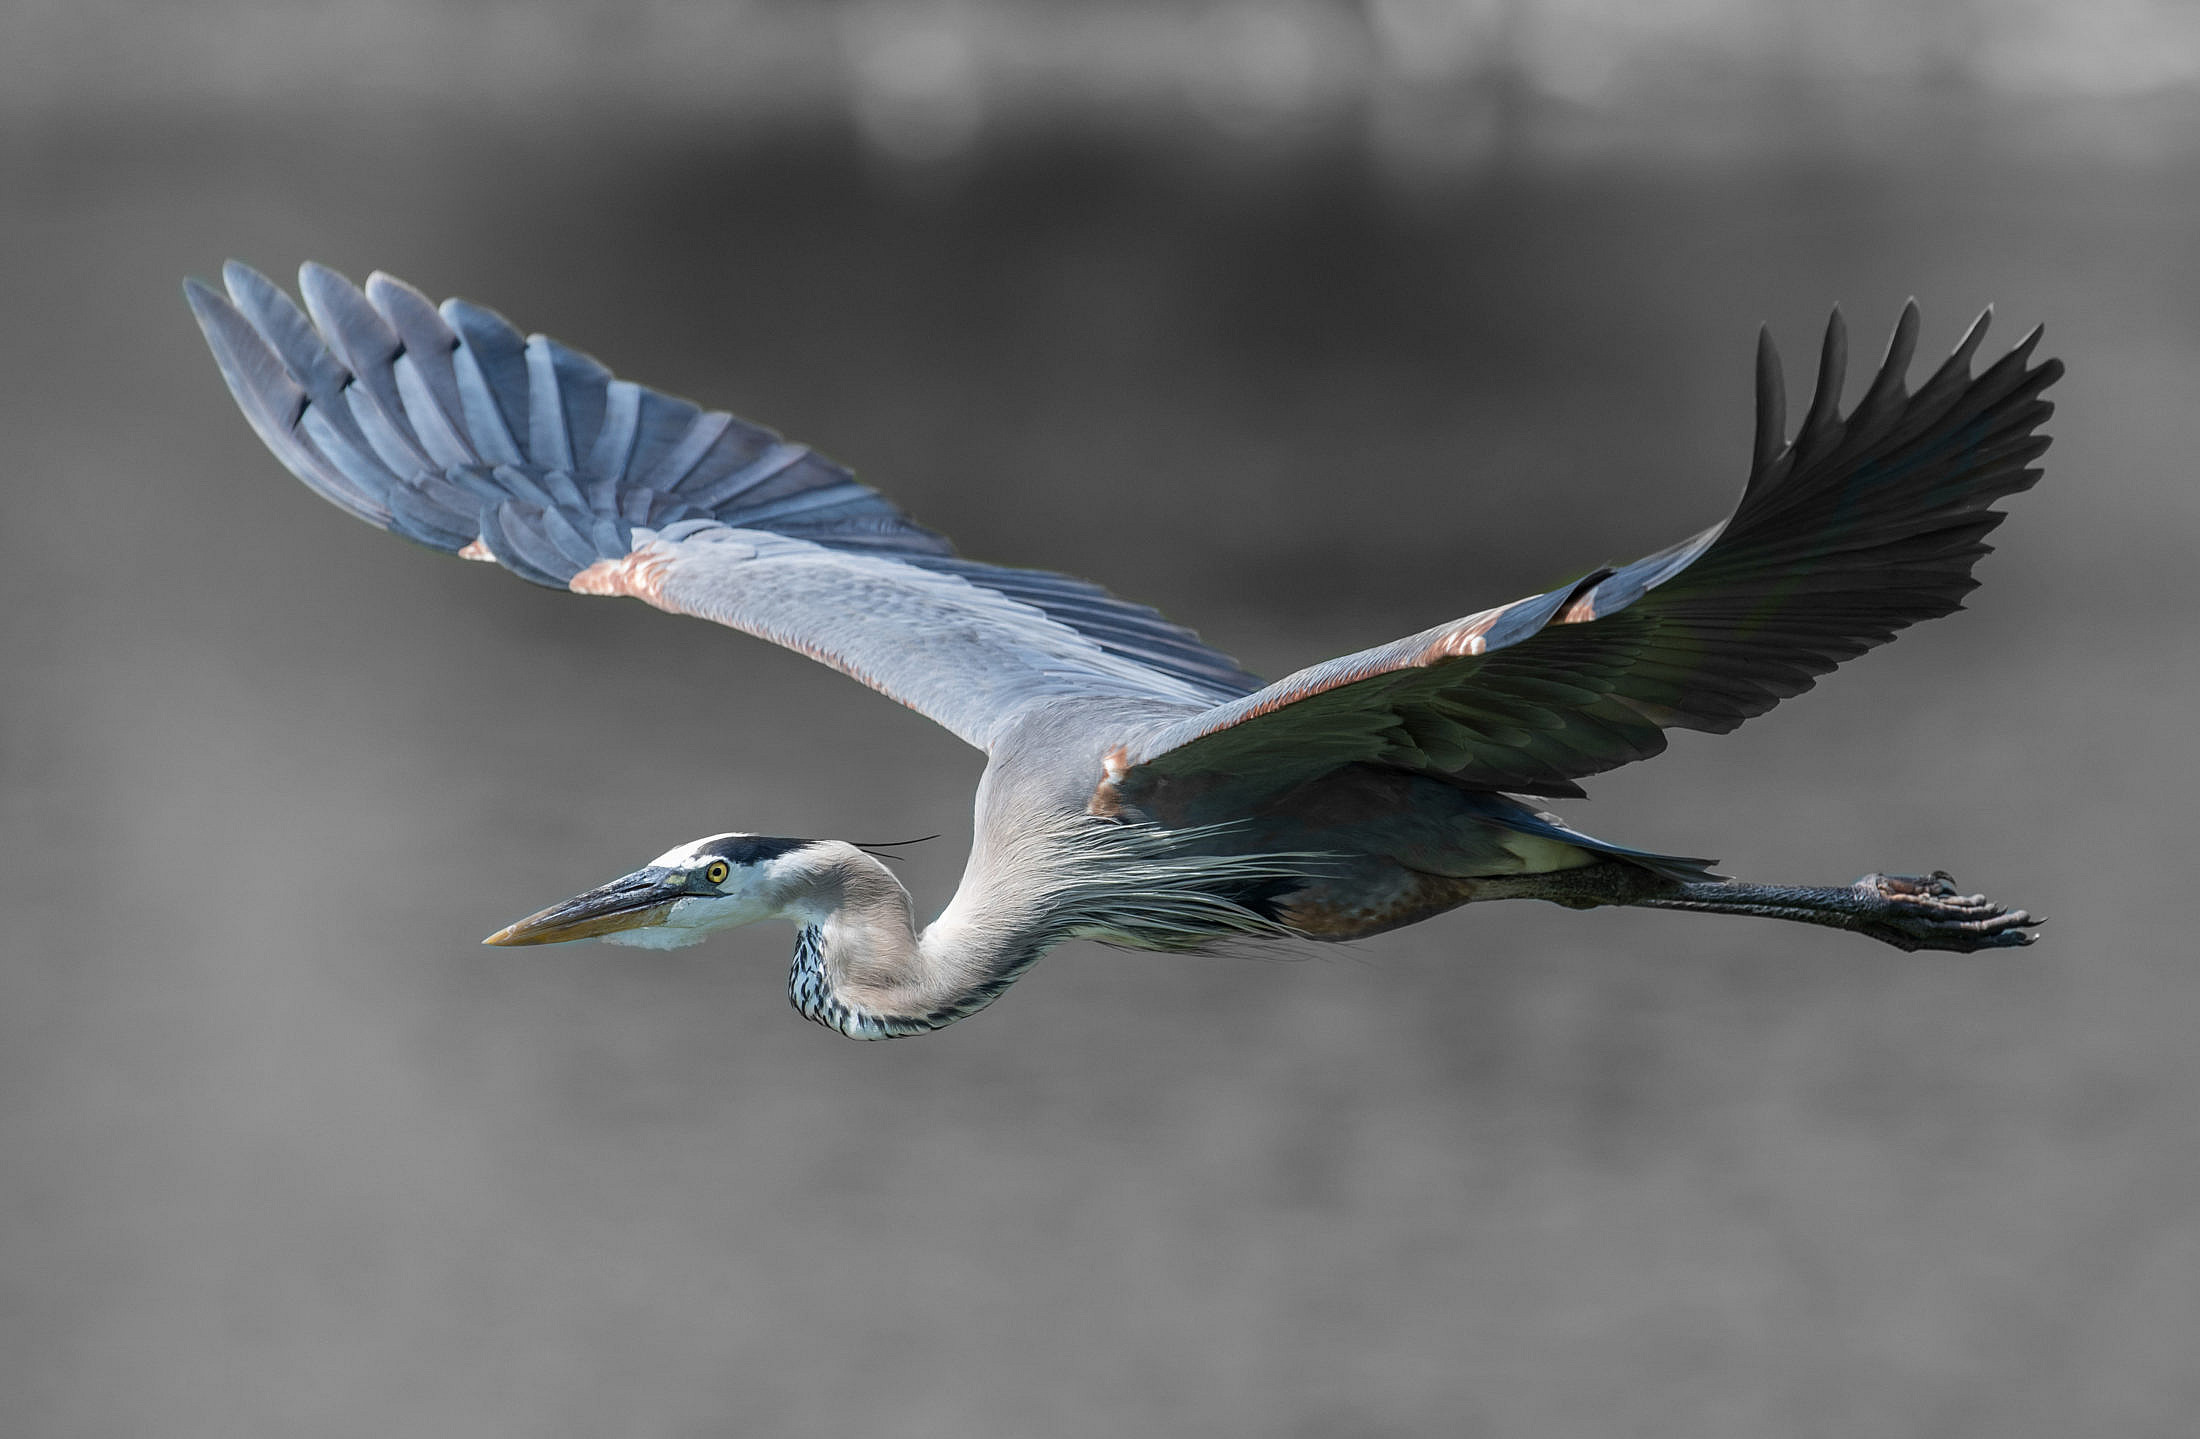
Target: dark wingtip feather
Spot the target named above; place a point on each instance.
(1902, 344)
(1966, 350)
(1888, 392)
(1950, 381)
(1771, 401)
(1967, 347)
(1824, 416)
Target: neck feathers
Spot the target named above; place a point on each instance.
(817, 990)
(861, 969)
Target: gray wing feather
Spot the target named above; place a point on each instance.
(969, 657)
(1852, 531)
(444, 425)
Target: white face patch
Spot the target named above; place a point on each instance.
(658, 936)
(751, 890)
(694, 919)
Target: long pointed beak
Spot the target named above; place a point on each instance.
(641, 898)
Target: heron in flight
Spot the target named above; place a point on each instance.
(1140, 788)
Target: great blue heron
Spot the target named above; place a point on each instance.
(1140, 788)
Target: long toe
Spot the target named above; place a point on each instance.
(1931, 912)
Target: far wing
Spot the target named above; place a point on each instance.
(443, 425)
(1863, 525)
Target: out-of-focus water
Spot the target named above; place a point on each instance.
(287, 1152)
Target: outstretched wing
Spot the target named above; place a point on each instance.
(1862, 525)
(443, 425)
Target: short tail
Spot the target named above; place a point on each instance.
(1518, 817)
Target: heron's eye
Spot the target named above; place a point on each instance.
(718, 871)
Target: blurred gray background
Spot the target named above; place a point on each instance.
(1313, 323)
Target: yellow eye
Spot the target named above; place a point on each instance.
(717, 872)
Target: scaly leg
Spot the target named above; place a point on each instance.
(1906, 911)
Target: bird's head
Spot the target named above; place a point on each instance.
(679, 898)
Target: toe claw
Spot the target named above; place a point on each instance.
(1929, 912)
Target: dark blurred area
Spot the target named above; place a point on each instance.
(1313, 324)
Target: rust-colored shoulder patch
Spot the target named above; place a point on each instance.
(640, 573)
(1580, 611)
(1461, 640)
(1107, 797)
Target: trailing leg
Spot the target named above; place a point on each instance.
(1907, 911)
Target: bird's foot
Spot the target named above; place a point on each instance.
(1926, 912)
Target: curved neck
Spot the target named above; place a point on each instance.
(860, 967)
